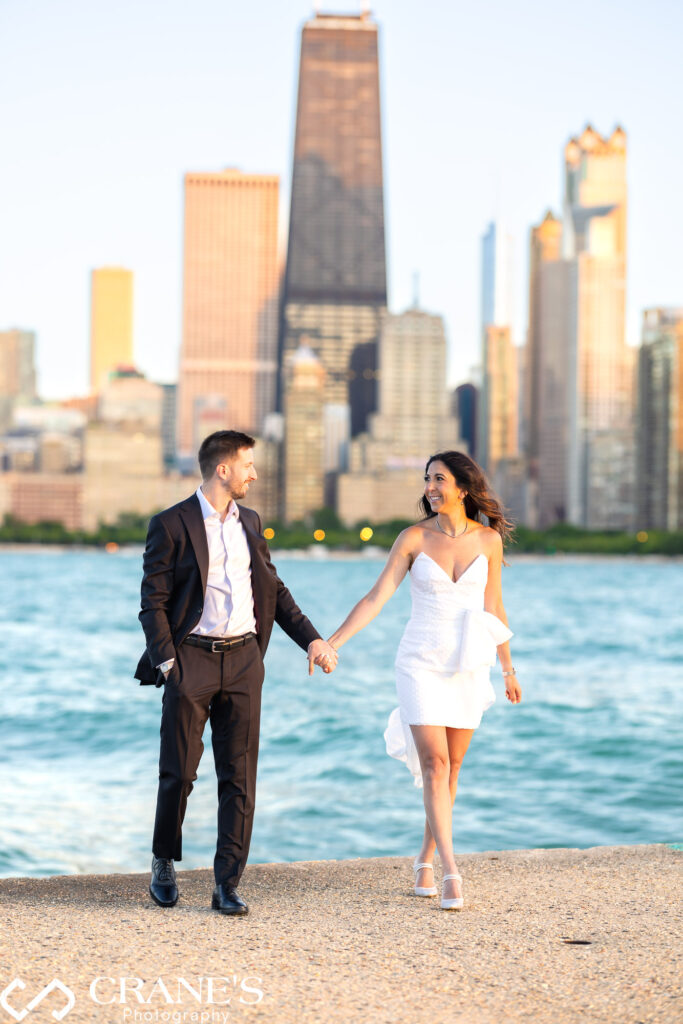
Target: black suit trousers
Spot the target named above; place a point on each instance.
(224, 688)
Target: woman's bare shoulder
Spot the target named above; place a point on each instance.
(491, 540)
(410, 540)
(412, 534)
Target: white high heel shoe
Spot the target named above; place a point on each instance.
(456, 903)
(421, 890)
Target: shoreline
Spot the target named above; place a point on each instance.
(549, 935)
(320, 554)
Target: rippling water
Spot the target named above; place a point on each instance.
(592, 755)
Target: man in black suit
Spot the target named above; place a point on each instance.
(210, 595)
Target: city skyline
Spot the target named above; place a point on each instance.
(114, 196)
(559, 425)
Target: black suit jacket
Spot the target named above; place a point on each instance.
(175, 567)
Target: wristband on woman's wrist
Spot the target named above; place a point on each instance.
(510, 672)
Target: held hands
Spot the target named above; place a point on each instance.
(323, 654)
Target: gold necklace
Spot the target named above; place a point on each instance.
(451, 535)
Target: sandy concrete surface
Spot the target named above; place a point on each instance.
(545, 935)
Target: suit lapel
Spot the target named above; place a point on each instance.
(259, 572)
(191, 513)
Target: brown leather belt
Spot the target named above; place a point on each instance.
(217, 644)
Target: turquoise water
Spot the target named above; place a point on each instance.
(592, 756)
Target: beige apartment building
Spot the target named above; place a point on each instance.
(17, 364)
(17, 371)
(502, 379)
(265, 496)
(124, 453)
(111, 323)
(228, 361)
(660, 421)
(601, 366)
(123, 472)
(129, 397)
(66, 468)
(304, 443)
(413, 421)
(549, 380)
(580, 372)
(545, 246)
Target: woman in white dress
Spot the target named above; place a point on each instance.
(457, 626)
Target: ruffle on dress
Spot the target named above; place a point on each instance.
(482, 632)
(401, 745)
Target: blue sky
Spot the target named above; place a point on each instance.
(104, 107)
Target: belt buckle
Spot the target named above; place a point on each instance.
(214, 649)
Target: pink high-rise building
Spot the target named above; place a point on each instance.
(228, 359)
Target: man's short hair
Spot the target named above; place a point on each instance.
(219, 447)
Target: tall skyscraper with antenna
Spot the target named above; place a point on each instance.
(335, 281)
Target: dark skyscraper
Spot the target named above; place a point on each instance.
(465, 410)
(335, 282)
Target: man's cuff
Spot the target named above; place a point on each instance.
(166, 666)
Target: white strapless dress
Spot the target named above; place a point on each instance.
(444, 657)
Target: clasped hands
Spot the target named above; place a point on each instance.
(322, 653)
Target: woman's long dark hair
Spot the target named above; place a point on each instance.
(479, 500)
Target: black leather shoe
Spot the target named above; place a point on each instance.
(162, 886)
(226, 901)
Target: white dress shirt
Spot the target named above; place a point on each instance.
(229, 600)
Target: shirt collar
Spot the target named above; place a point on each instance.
(208, 510)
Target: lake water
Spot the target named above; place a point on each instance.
(592, 756)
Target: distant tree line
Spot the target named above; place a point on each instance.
(561, 538)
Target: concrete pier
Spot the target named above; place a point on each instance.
(557, 936)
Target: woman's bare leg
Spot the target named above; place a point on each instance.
(458, 740)
(432, 748)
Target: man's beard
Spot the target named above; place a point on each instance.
(234, 491)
